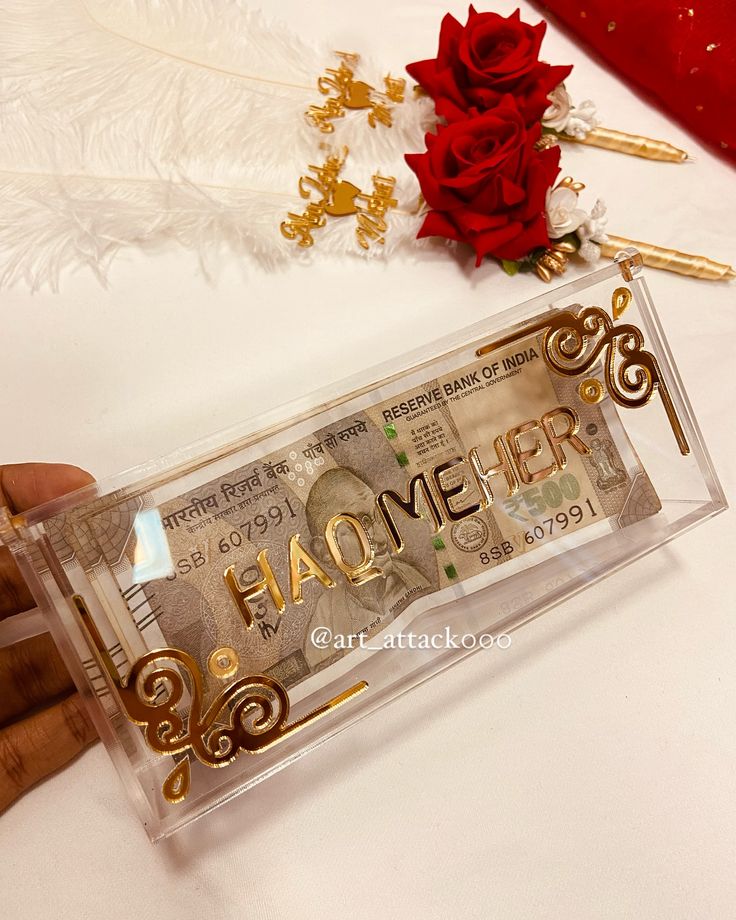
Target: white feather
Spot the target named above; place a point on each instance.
(52, 222)
(138, 122)
(191, 80)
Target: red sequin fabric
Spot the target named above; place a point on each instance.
(683, 54)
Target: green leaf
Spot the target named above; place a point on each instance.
(509, 266)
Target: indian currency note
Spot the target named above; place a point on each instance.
(342, 467)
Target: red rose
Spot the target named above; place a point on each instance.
(480, 62)
(486, 184)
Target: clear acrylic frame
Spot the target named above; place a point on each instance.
(93, 558)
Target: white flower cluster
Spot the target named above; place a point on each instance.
(564, 217)
(562, 116)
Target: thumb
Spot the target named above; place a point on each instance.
(23, 485)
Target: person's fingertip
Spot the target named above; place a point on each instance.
(24, 485)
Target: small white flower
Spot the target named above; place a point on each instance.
(563, 214)
(589, 251)
(592, 231)
(582, 120)
(594, 227)
(562, 116)
(558, 111)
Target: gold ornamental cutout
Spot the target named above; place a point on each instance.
(344, 92)
(250, 715)
(329, 196)
(573, 342)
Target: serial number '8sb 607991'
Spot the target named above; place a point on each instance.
(561, 521)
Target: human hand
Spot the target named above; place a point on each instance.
(43, 723)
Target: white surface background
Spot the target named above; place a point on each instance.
(588, 771)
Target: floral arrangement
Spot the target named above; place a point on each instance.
(488, 173)
(108, 127)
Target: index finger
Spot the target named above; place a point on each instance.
(22, 486)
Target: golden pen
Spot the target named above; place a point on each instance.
(633, 144)
(671, 260)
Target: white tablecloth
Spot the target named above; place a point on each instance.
(586, 772)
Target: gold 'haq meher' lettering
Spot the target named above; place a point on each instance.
(428, 495)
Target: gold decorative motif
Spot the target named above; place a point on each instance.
(620, 302)
(372, 224)
(351, 58)
(573, 343)
(340, 198)
(569, 182)
(324, 180)
(322, 116)
(546, 141)
(395, 87)
(176, 786)
(345, 92)
(223, 662)
(250, 715)
(301, 225)
(591, 390)
(552, 261)
(380, 113)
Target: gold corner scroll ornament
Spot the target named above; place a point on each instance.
(573, 342)
(251, 714)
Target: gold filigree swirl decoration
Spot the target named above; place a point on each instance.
(250, 715)
(573, 342)
(255, 708)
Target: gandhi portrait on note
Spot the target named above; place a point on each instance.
(348, 609)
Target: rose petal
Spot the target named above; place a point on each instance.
(433, 193)
(451, 33)
(437, 224)
(424, 73)
(493, 242)
(532, 235)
